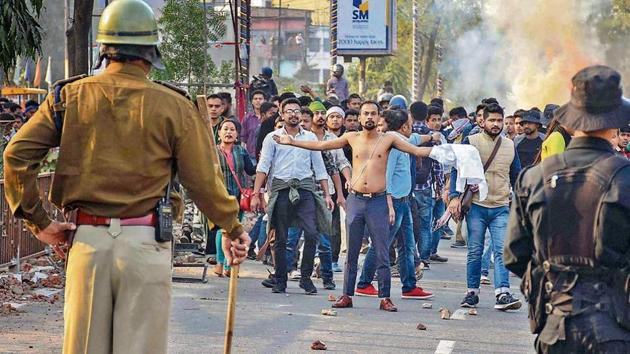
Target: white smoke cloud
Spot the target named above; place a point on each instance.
(524, 53)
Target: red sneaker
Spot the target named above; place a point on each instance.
(417, 293)
(368, 291)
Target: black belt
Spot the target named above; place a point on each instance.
(369, 195)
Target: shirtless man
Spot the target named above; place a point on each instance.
(367, 202)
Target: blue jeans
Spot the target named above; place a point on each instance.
(371, 212)
(219, 244)
(438, 210)
(324, 250)
(485, 258)
(479, 219)
(402, 229)
(425, 215)
(259, 232)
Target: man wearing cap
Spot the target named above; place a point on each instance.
(528, 144)
(121, 137)
(383, 100)
(569, 230)
(264, 82)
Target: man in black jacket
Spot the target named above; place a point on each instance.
(569, 231)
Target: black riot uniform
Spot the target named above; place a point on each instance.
(569, 229)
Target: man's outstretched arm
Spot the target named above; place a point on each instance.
(312, 145)
(404, 146)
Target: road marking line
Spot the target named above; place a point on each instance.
(460, 314)
(445, 347)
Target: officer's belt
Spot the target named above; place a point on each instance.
(563, 278)
(87, 219)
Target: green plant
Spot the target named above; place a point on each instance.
(20, 32)
(183, 47)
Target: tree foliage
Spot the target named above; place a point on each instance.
(183, 43)
(612, 24)
(20, 32)
(438, 25)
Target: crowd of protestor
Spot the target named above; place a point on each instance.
(306, 240)
(297, 236)
(12, 117)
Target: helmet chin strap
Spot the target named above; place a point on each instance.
(99, 62)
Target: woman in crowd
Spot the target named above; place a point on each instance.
(235, 163)
(556, 141)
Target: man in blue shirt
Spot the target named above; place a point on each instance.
(293, 198)
(398, 182)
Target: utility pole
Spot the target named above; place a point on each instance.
(66, 54)
(333, 33)
(439, 81)
(205, 46)
(417, 54)
(362, 83)
(278, 46)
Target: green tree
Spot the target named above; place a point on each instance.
(440, 23)
(396, 68)
(20, 32)
(183, 44)
(612, 23)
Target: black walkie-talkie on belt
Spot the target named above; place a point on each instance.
(164, 210)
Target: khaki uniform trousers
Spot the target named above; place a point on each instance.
(118, 291)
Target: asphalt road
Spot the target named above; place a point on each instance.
(276, 323)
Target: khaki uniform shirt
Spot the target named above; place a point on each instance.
(122, 137)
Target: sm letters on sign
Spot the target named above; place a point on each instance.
(360, 15)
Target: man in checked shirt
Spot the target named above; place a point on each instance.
(427, 190)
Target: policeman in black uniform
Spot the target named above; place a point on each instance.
(569, 228)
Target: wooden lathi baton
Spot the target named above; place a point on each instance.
(231, 311)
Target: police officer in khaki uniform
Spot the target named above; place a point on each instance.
(121, 139)
(569, 229)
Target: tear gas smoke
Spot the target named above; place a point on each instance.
(523, 52)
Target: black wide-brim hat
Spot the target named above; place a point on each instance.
(597, 101)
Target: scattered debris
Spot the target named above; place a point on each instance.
(17, 290)
(47, 292)
(7, 309)
(318, 345)
(472, 312)
(459, 314)
(421, 327)
(445, 313)
(331, 298)
(329, 312)
(26, 267)
(427, 305)
(37, 281)
(210, 299)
